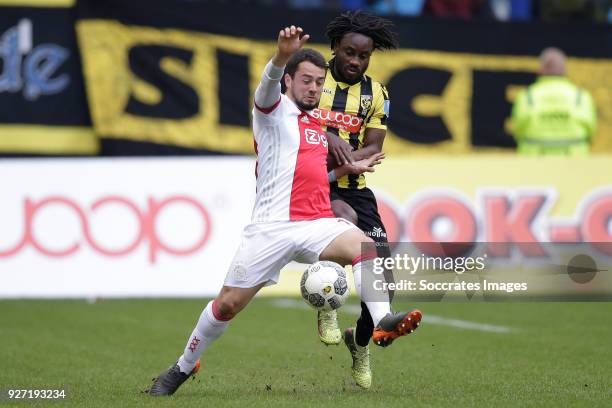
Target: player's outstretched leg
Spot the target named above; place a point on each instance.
(395, 325)
(360, 370)
(327, 324)
(346, 248)
(388, 326)
(212, 323)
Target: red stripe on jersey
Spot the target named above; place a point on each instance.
(268, 110)
(310, 189)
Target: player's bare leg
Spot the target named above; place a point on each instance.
(342, 210)
(212, 323)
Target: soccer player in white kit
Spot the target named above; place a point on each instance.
(292, 217)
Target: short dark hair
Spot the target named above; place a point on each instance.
(305, 54)
(377, 28)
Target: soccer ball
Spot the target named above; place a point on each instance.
(324, 285)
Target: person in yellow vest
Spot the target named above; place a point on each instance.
(553, 116)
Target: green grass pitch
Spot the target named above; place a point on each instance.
(106, 353)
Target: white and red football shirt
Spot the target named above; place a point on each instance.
(291, 148)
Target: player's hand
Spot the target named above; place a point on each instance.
(365, 165)
(289, 41)
(340, 149)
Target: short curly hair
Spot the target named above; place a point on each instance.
(377, 28)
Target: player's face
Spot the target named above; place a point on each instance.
(353, 56)
(306, 85)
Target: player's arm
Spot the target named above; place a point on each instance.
(365, 165)
(376, 126)
(372, 143)
(343, 153)
(268, 91)
(340, 150)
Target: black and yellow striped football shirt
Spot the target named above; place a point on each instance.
(348, 110)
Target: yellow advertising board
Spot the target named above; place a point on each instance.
(184, 99)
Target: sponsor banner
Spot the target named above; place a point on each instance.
(169, 227)
(174, 78)
(516, 201)
(42, 95)
(121, 228)
(495, 198)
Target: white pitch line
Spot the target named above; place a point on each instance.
(464, 324)
(428, 319)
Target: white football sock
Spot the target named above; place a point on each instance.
(207, 330)
(377, 310)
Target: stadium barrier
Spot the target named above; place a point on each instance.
(169, 227)
(177, 78)
(43, 108)
(169, 76)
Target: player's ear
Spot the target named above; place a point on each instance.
(287, 80)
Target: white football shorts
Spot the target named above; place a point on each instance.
(265, 248)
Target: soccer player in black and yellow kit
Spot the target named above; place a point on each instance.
(354, 109)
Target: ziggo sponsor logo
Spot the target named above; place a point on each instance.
(146, 220)
(340, 120)
(499, 216)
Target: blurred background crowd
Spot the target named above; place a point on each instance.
(502, 10)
